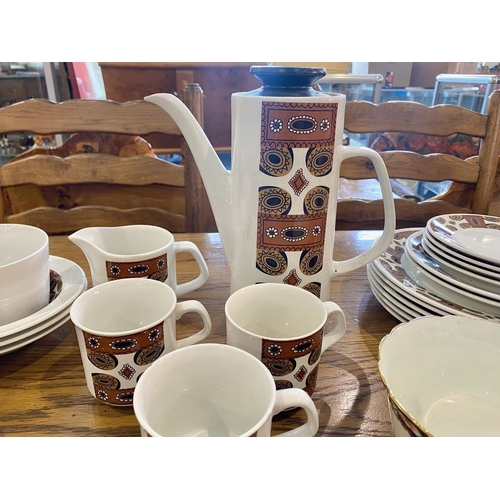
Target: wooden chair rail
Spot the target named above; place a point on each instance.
(47, 170)
(352, 213)
(39, 117)
(57, 221)
(442, 120)
(408, 165)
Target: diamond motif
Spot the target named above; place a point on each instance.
(292, 278)
(298, 182)
(301, 373)
(127, 371)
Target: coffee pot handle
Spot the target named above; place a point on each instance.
(387, 236)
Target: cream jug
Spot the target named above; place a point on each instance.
(137, 251)
(276, 209)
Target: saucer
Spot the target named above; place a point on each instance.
(74, 283)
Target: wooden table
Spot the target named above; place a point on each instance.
(43, 390)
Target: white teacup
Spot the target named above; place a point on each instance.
(24, 271)
(282, 325)
(441, 375)
(214, 390)
(122, 327)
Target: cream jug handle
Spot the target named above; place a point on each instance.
(200, 280)
(385, 239)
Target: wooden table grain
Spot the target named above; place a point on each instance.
(43, 390)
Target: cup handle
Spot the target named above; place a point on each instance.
(385, 239)
(190, 247)
(292, 398)
(339, 331)
(193, 306)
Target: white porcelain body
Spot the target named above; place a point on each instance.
(138, 250)
(441, 374)
(122, 327)
(267, 215)
(214, 390)
(283, 327)
(24, 271)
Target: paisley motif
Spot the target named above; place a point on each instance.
(311, 261)
(105, 381)
(313, 287)
(280, 366)
(276, 162)
(316, 200)
(271, 263)
(319, 161)
(274, 200)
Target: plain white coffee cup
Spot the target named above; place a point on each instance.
(214, 390)
(283, 326)
(24, 271)
(122, 327)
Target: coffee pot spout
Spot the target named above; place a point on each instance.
(216, 178)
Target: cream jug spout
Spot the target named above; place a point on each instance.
(216, 178)
(89, 240)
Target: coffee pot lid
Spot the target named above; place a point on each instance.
(287, 81)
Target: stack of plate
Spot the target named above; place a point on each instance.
(68, 281)
(452, 266)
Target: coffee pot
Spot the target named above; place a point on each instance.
(276, 208)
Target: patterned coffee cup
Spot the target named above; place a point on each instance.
(283, 326)
(122, 327)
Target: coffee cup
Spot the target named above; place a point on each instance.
(122, 327)
(24, 271)
(214, 390)
(283, 326)
(137, 251)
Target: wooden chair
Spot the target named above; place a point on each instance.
(472, 179)
(101, 180)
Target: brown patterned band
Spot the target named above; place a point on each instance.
(290, 232)
(137, 269)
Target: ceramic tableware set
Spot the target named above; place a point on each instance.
(451, 266)
(36, 288)
(126, 331)
(275, 212)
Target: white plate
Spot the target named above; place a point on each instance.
(474, 277)
(74, 283)
(444, 290)
(389, 265)
(398, 300)
(472, 234)
(389, 307)
(424, 259)
(461, 261)
(14, 346)
(15, 337)
(426, 307)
